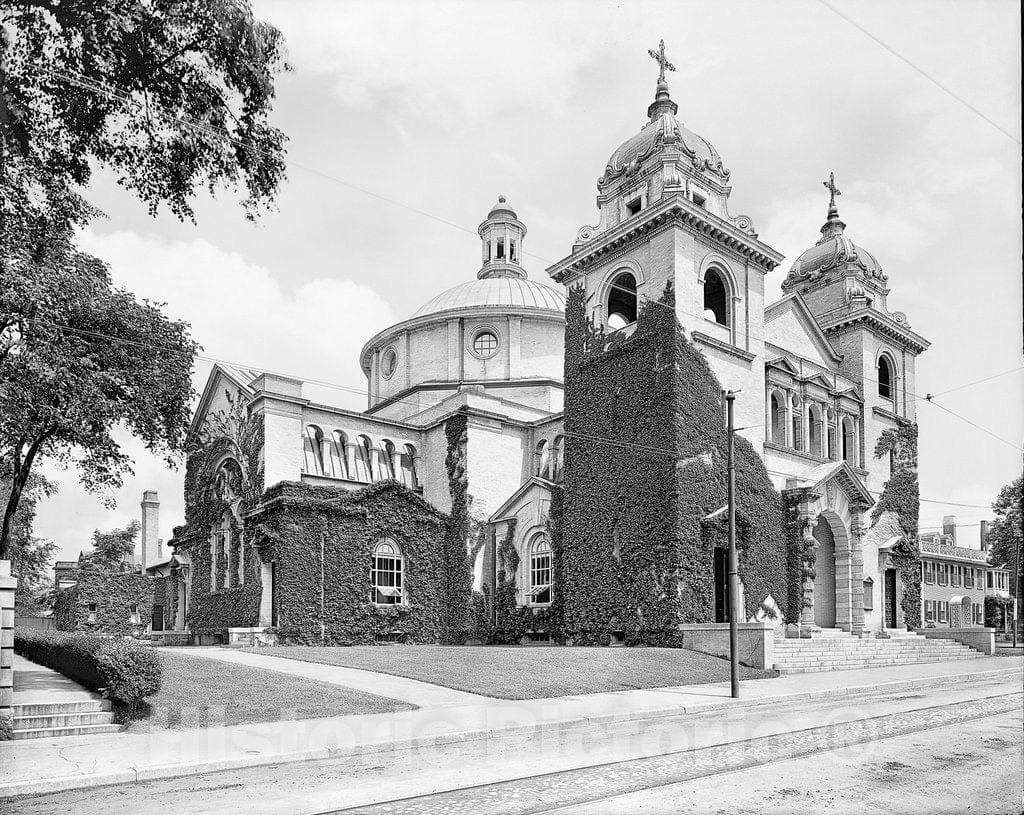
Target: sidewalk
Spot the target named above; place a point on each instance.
(58, 764)
(38, 685)
(421, 694)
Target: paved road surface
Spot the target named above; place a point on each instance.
(803, 754)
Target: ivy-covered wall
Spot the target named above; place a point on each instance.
(900, 494)
(112, 594)
(645, 463)
(322, 539)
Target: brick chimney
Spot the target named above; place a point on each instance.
(984, 536)
(150, 528)
(949, 528)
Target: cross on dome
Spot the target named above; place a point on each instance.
(663, 63)
(830, 185)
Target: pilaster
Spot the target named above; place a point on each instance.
(7, 586)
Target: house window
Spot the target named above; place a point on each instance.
(929, 572)
(386, 574)
(133, 614)
(989, 579)
(954, 579)
(929, 611)
(869, 594)
(943, 577)
(622, 301)
(849, 441)
(716, 301)
(485, 344)
(92, 612)
(814, 430)
(540, 571)
(943, 611)
(885, 377)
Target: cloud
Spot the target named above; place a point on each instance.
(238, 312)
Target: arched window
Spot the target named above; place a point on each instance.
(557, 458)
(408, 467)
(386, 574)
(814, 430)
(387, 457)
(716, 299)
(622, 302)
(849, 441)
(363, 468)
(886, 377)
(220, 553)
(544, 459)
(778, 418)
(798, 440)
(539, 592)
(339, 454)
(313, 449)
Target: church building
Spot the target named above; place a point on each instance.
(490, 490)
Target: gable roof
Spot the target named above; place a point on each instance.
(241, 378)
(844, 476)
(795, 303)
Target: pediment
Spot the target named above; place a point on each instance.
(783, 364)
(222, 378)
(535, 488)
(789, 324)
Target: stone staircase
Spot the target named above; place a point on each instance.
(835, 650)
(42, 721)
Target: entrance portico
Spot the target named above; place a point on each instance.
(830, 509)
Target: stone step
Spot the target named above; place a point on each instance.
(34, 709)
(783, 668)
(52, 720)
(75, 730)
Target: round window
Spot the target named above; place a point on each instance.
(485, 344)
(389, 363)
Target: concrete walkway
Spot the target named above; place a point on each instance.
(421, 694)
(38, 685)
(70, 763)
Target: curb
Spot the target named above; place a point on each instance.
(65, 783)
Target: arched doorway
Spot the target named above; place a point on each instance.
(824, 575)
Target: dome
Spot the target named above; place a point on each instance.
(502, 208)
(831, 252)
(507, 293)
(664, 129)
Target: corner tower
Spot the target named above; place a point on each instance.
(664, 218)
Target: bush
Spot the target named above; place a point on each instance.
(122, 669)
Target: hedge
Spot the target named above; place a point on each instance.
(123, 670)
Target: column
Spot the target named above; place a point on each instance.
(266, 594)
(857, 530)
(788, 435)
(7, 587)
(807, 524)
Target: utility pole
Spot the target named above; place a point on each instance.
(1016, 590)
(734, 580)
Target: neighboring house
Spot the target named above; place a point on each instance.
(953, 580)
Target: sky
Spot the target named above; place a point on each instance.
(396, 109)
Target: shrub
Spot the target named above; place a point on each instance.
(125, 671)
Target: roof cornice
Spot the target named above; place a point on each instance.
(675, 209)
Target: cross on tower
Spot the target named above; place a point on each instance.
(663, 63)
(830, 185)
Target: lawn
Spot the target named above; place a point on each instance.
(537, 672)
(201, 692)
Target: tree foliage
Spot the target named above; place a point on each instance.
(169, 96)
(78, 359)
(1006, 531)
(110, 550)
(30, 556)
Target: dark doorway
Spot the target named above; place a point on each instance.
(158, 618)
(890, 598)
(273, 593)
(721, 585)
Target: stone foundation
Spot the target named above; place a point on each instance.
(756, 641)
(976, 637)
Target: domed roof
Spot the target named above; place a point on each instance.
(831, 252)
(502, 208)
(508, 293)
(664, 129)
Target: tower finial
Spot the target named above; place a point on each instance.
(830, 185)
(663, 63)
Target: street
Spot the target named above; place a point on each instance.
(946, 749)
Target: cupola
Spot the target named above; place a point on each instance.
(502, 235)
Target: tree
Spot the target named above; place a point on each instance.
(111, 549)
(168, 95)
(79, 358)
(1005, 532)
(30, 556)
